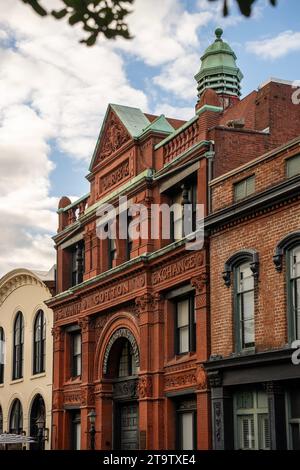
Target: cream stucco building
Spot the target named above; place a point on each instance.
(26, 354)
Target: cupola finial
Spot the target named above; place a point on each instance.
(219, 33)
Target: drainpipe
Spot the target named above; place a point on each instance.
(210, 158)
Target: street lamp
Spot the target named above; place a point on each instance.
(92, 418)
(40, 422)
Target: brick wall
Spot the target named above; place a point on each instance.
(261, 234)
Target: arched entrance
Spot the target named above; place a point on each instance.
(38, 411)
(121, 364)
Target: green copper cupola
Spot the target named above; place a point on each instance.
(219, 70)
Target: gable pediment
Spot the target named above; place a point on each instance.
(112, 136)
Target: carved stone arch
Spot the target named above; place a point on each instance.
(288, 242)
(121, 333)
(242, 256)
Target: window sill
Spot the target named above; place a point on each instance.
(17, 381)
(38, 376)
(1, 385)
(72, 380)
(180, 358)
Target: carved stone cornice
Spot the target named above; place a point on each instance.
(12, 281)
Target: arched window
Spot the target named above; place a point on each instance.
(39, 343)
(16, 418)
(1, 421)
(127, 364)
(2, 352)
(290, 247)
(243, 268)
(18, 346)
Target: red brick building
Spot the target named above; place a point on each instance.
(132, 329)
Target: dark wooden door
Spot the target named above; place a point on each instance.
(128, 426)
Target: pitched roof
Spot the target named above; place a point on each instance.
(133, 119)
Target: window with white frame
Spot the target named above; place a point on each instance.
(294, 291)
(244, 305)
(252, 428)
(294, 419)
(185, 325)
(293, 166)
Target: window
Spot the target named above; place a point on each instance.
(186, 424)
(76, 354)
(293, 166)
(112, 251)
(39, 343)
(244, 305)
(16, 418)
(129, 239)
(294, 419)
(177, 217)
(2, 355)
(77, 263)
(18, 346)
(293, 258)
(244, 188)
(75, 430)
(252, 428)
(185, 325)
(127, 365)
(187, 196)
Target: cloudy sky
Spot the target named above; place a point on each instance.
(54, 93)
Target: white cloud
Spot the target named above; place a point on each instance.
(52, 89)
(278, 46)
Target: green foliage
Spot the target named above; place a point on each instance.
(107, 16)
(244, 5)
(97, 16)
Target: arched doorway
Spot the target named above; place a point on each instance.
(121, 365)
(38, 410)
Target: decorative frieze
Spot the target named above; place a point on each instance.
(114, 177)
(101, 297)
(145, 386)
(181, 380)
(177, 268)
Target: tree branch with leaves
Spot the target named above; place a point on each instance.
(96, 16)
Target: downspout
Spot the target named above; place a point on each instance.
(210, 158)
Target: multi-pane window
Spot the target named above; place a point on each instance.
(16, 418)
(112, 251)
(2, 355)
(293, 166)
(129, 239)
(39, 343)
(76, 354)
(294, 291)
(18, 346)
(186, 424)
(244, 188)
(177, 217)
(184, 204)
(294, 419)
(244, 304)
(252, 428)
(185, 325)
(127, 364)
(77, 263)
(75, 430)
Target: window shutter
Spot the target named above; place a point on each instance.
(264, 432)
(247, 432)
